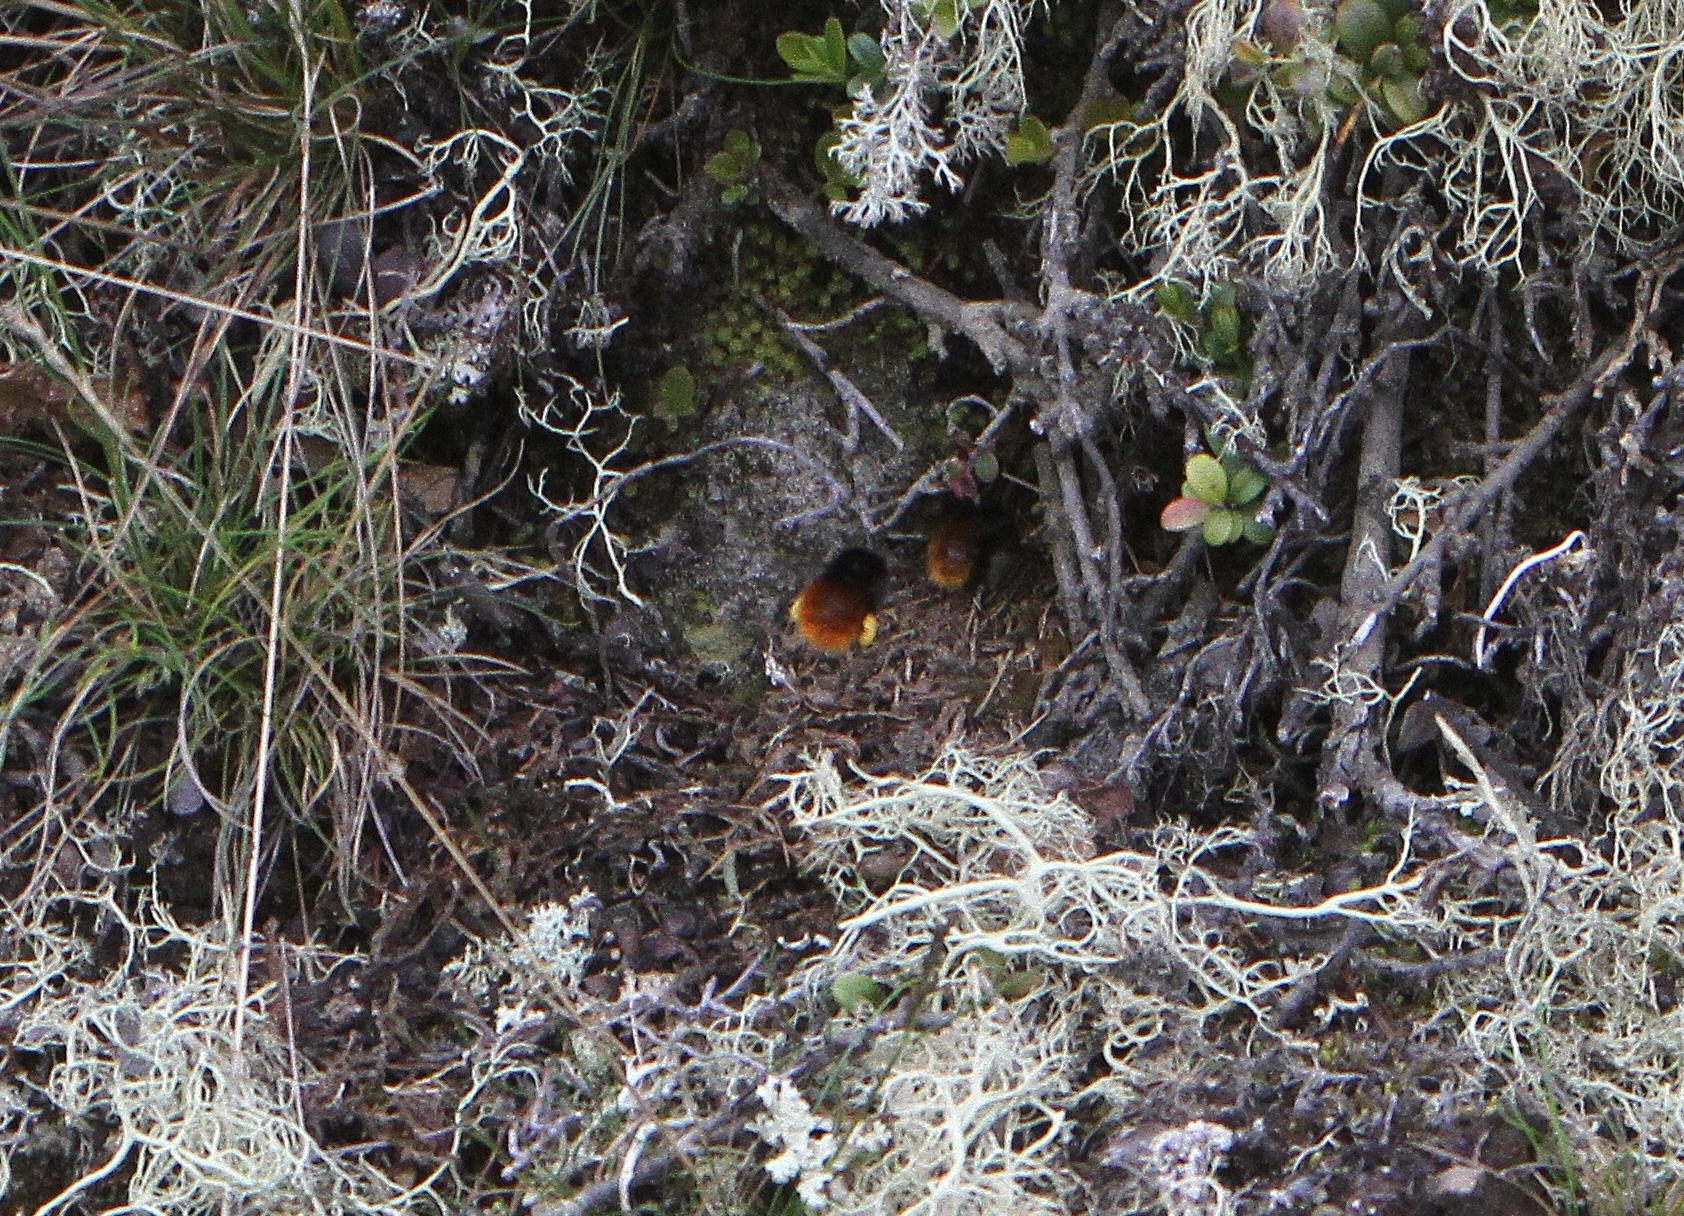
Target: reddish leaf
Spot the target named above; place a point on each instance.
(1184, 514)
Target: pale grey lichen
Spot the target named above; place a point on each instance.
(944, 100)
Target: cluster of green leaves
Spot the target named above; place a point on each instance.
(832, 58)
(1215, 497)
(851, 61)
(855, 61)
(1382, 60)
(1221, 327)
(733, 166)
(1383, 38)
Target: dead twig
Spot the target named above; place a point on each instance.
(856, 401)
(1494, 530)
(1465, 511)
(984, 323)
(1368, 558)
(1089, 567)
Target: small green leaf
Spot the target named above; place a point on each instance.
(1245, 485)
(835, 174)
(1030, 144)
(722, 168)
(1257, 532)
(1301, 79)
(1016, 985)
(1176, 301)
(835, 47)
(1104, 111)
(1403, 98)
(740, 144)
(1222, 526)
(1206, 480)
(985, 467)
(1512, 16)
(1343, 90)
(1360, 26)
(796, 50)
(816, 58)
(867, 55)
(1387, 61)
(1216, 347)
(855, 993)
(944, 15)
(1225, 328)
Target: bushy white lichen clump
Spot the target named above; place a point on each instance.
(1571, 106)
(202, 1098)
(1179, 1164)
(994, 971)
(1583, 1012)
(945, 99)
(558, 938)
(807, 1148)
(1038, 953)
(1573, 100)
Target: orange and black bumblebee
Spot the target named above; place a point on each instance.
(839, 607)
(967, 543)
(955, 548)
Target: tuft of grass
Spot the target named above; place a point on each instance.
(240, 628)
(248, 632)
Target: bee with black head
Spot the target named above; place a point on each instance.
(838, 609)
